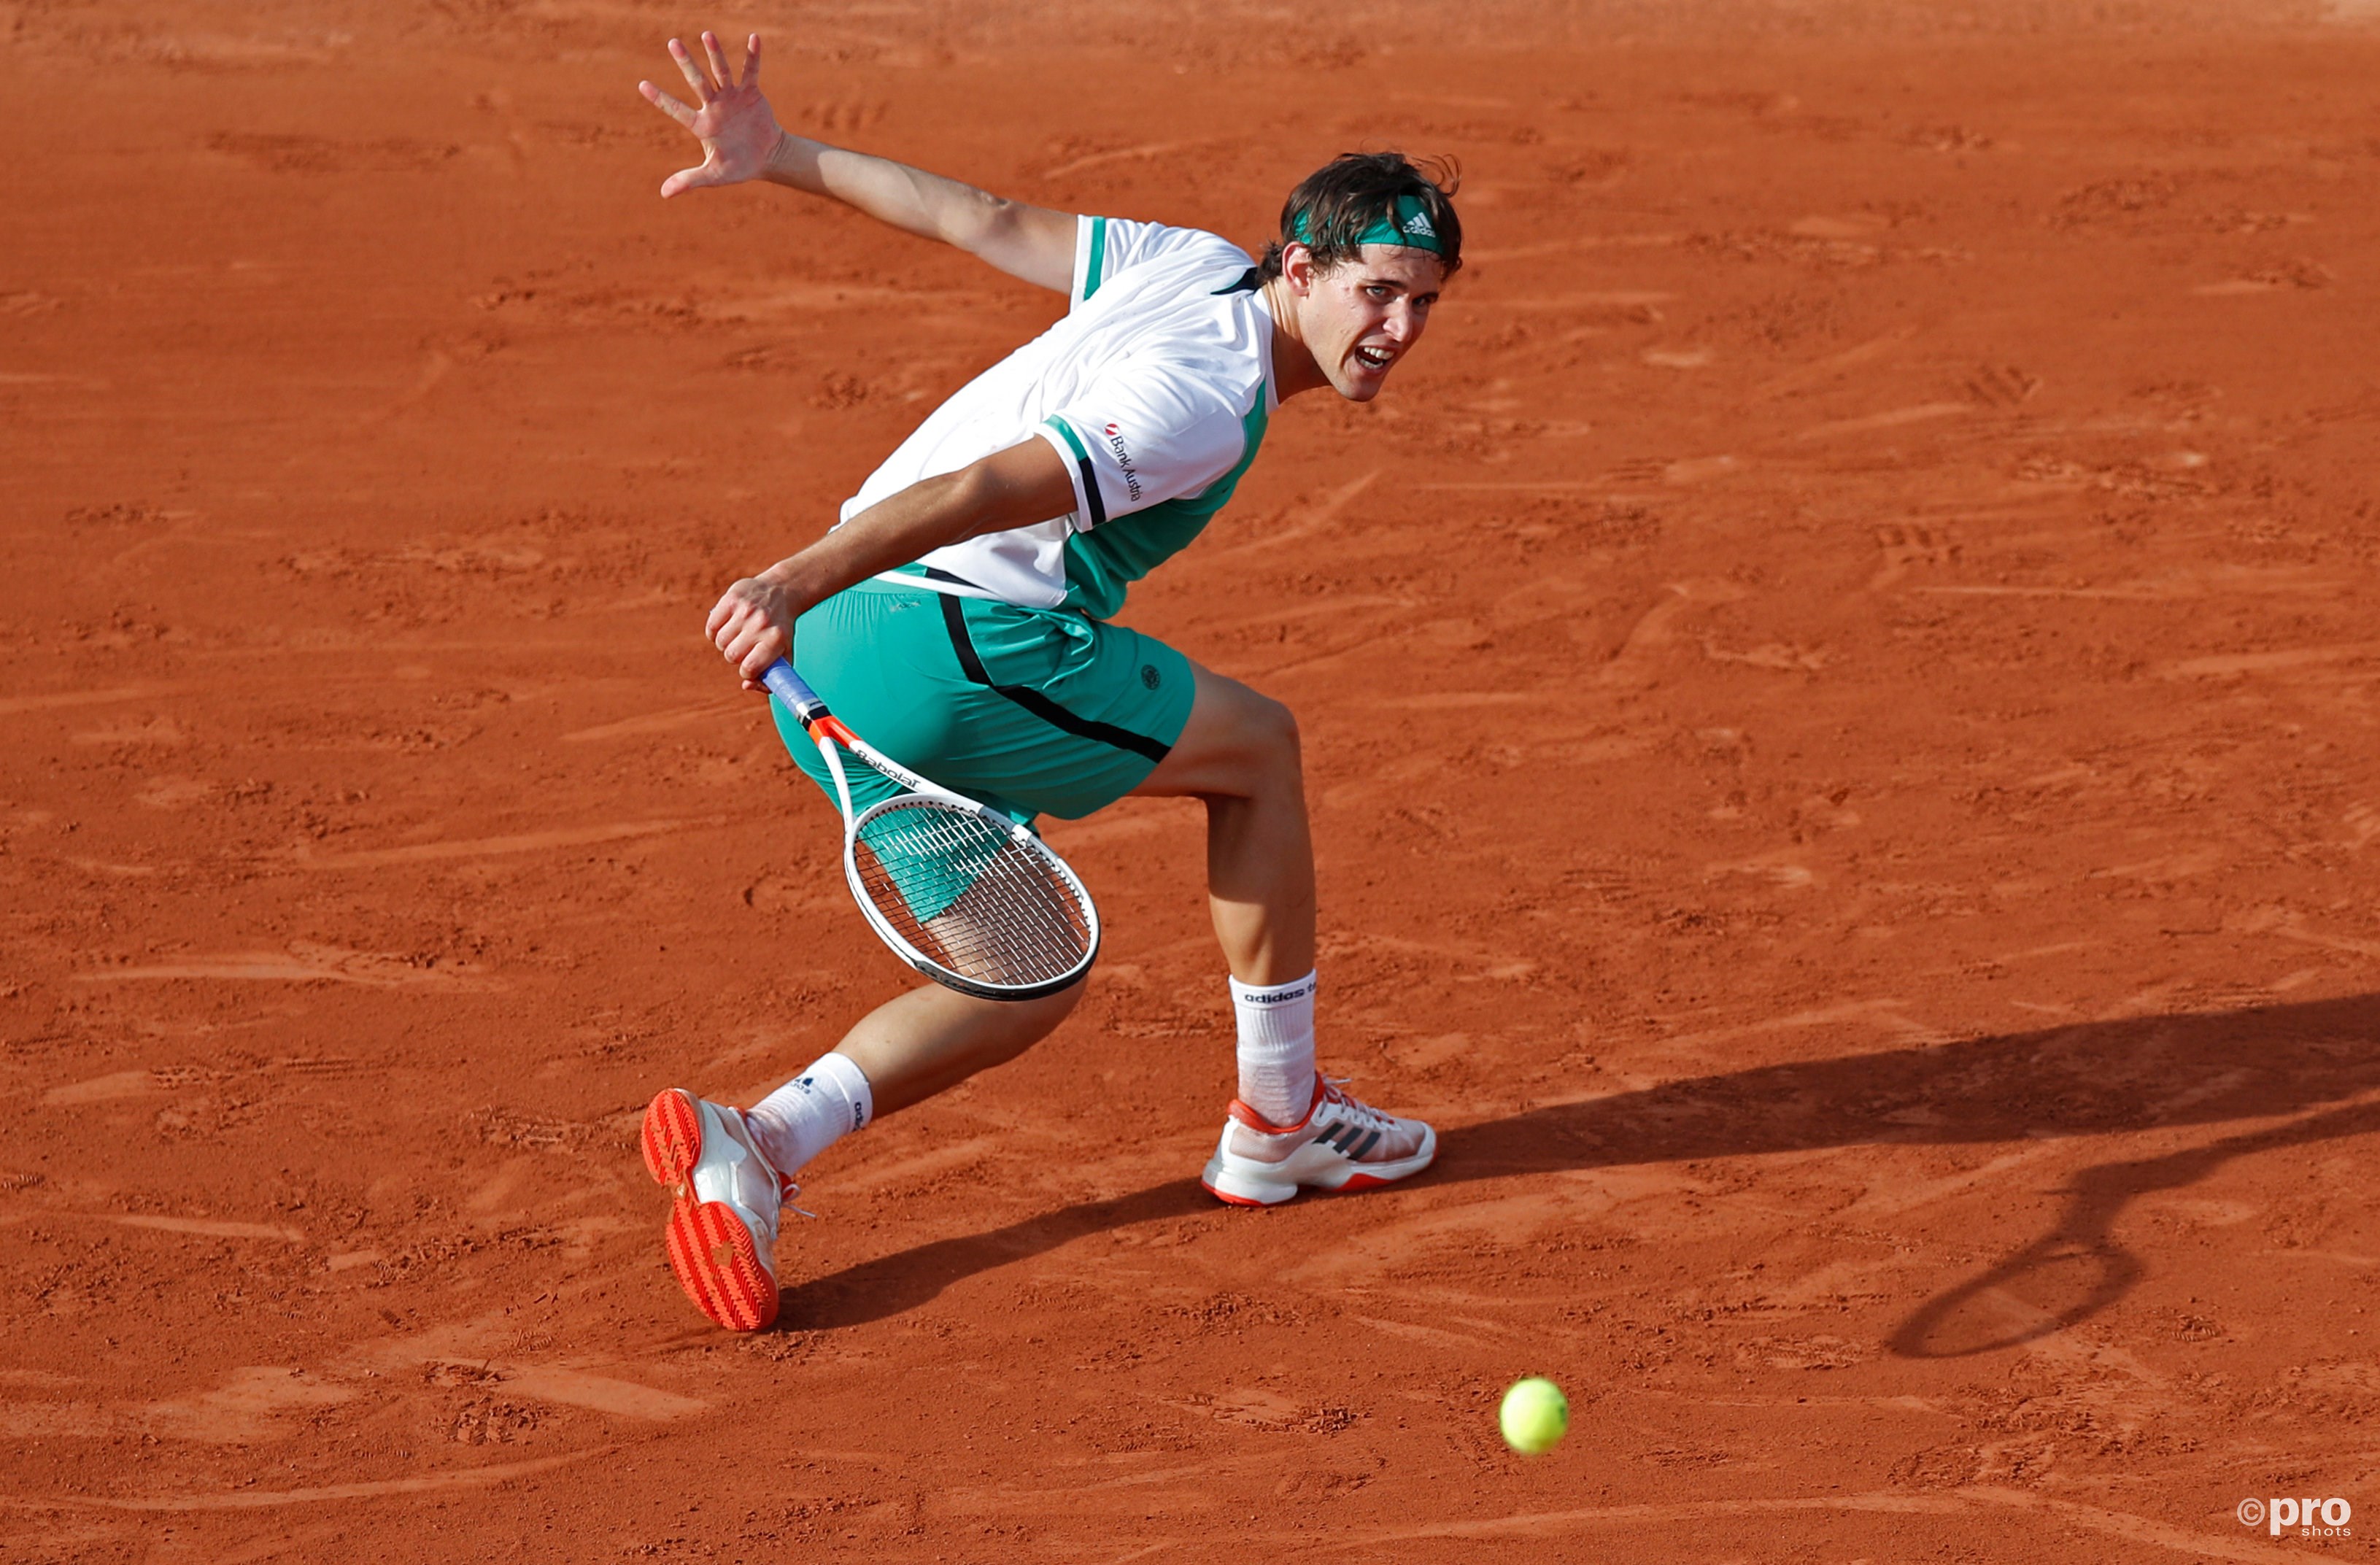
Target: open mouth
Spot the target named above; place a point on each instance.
(1375, 358)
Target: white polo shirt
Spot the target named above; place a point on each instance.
(1154, 389)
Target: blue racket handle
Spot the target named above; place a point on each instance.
(789, 687)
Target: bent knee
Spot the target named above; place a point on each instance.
(1237, 743)
(1270, 729)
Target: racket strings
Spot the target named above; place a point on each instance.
(967, 895)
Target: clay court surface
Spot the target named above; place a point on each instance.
(1840, 690)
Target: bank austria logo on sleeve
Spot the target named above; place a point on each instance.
(2304, 1518)
(1123, 460)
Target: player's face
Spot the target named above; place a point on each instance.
(1362, 317)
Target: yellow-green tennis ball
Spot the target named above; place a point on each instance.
(1535, 1416)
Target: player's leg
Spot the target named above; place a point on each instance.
(1288, 1127)
(936, 684)
(1240, 755)
(932, 1038)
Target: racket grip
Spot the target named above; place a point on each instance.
(789, 687)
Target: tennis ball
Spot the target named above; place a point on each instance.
(1535, 1416)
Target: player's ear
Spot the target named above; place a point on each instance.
(1297, 267)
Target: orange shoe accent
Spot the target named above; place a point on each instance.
(710, 1251)
(672, 1139)
(1263, 1127)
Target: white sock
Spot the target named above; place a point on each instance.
(812, 1112)
(1276, 1048)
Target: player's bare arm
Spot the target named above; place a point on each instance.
(753, 625)
(742, 140)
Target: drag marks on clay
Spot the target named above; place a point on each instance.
(1884, 1014)
(1312, 519)
(739, 707)
(1144, 153)
(872, 1177)
(1780, 870)
(1899, 418)
(305, 963)
(1894, 1197)
(1976, 1503)
(1434, 1336)
(1826, 369)
(578, 1387)
(247, 1406)
(119, 1084)
(109, 1088)
(305, 857)
(2138, 1529)
(13, 705)
(317, 154)
(1638, 661)
(2231, 664)
(1488, 963)
(214, 1228)
(1574, 244)
(434, 369)
(2179, 587)
(252, 1499)
(1128, 1506)
(1613, 298)
(2288, 924)
(1312, 610)
(1385, 1245)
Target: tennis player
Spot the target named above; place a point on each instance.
(960, 616)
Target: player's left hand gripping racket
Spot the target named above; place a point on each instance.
(960, 892)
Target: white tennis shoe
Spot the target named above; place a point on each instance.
(723, 1228)
(1342, 1144)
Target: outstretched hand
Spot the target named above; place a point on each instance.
(738, 129)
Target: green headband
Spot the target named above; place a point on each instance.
(1405, 223)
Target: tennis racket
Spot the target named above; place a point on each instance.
(961, 892)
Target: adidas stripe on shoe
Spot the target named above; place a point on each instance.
(1342, 1144)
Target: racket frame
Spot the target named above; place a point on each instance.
(829, 732)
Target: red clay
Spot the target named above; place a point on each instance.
(1840, 693)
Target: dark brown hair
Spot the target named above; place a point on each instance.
(1355, 191)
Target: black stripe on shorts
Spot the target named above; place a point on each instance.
(1032, 700)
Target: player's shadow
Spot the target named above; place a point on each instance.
(2302, 1064)
(2078, 1268)
(892, 1284)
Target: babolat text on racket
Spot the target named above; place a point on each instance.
(961, 892)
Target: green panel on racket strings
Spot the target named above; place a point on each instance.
(928, 867)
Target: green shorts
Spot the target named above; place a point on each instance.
(1034, 712)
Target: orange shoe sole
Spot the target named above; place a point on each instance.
(710, 1251)
(673, 1136)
